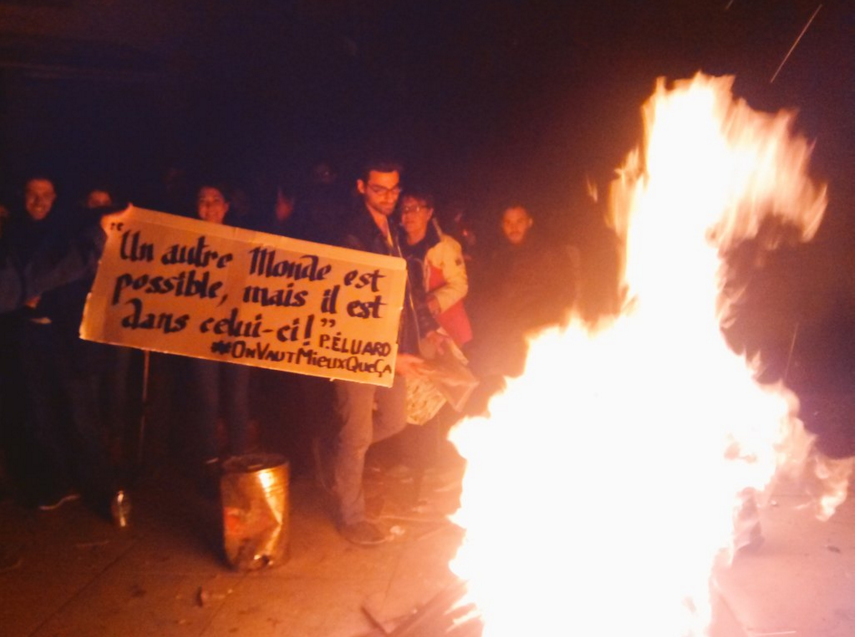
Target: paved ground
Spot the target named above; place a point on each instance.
(165, 575)
(801, 582)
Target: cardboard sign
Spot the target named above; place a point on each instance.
(184, 286)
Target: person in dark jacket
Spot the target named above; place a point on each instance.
(528, 286)
(62, 413)
(371, 230)
(49, 267)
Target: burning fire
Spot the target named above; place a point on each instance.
(605, 483)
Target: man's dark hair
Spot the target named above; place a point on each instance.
(38, 176)
(380, 165)
(513, 203)
(102, 185)
(225, 190)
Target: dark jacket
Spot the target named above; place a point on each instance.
(531, 284)
(50, 267)
(363, 234)
(58, 258)
(38, 257)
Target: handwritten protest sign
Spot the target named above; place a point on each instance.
(183, 286)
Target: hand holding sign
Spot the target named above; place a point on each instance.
(188, 287)
(409, 365)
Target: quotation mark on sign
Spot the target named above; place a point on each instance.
(325, 322)
(221, 347)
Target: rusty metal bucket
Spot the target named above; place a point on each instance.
(254, 492)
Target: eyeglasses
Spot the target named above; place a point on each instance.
(412, 209)
(381, 191)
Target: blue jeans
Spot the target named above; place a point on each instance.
(360, 428)
(215, 388)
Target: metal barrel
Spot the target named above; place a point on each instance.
(254, 492)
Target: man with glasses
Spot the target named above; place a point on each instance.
(370, 230)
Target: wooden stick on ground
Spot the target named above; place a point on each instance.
(431, 619)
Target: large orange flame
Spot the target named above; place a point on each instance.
(604, 485)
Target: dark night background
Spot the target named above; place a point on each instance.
(483, 99)
(479, 97)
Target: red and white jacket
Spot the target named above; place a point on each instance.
(446, 280)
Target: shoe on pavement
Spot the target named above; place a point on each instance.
(363, 534)
(51, 504)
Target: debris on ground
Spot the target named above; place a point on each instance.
(91, 545)
(9, 560)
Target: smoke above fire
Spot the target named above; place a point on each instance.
(603, 486)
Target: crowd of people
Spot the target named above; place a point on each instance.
(70, 408)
